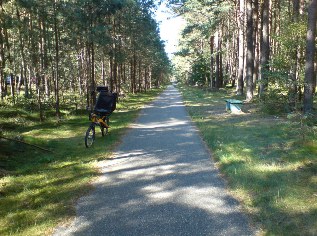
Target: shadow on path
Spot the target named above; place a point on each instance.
(161, 182)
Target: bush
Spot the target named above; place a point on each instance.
(303, 124)
(274, 102)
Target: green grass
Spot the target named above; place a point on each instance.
(38, 188)
(268, 162)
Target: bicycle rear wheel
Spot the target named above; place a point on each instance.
(104, 131)
(107, 122)
(90, 136)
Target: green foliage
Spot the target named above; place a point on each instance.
(291, 42)
(303, 124)
(285, 65)
(274, 102)
(286, 46)
(199, 73)
(291, 38)
(203, 18)
(91, 33)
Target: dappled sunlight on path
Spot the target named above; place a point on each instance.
(161, 181)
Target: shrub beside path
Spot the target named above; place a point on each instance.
(161, 181)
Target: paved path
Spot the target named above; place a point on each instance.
(161, 182)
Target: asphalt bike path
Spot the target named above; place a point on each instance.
(161, 181)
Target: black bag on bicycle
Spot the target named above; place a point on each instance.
(106, 102)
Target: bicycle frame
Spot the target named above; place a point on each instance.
(96, 120)
(99, 120)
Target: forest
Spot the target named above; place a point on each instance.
(265, 49)
(52, 52)
(55, 53)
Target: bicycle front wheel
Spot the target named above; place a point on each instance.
(90, 136)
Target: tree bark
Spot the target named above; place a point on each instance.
(23, 61)
(293, 88)
(2, 54)
(310, 55)
(103, 75)
(2, 63)
(212, 80)
(256, 43)
(140, 77)
(134, 71)
(80, 63)
(110, 72)
(217, 72)
(57, 110)
(240, 84)
(12, 83)
(250, 51)
(150, 77)
(93, 80)
(220, 64)
(264, 47)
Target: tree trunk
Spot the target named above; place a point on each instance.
(57, 110)
(111, 72)
(39, 99)
(296, 9)
(150, 78)
(220, 64)
(256, 43)
(103, 75)
(140, 77)
(250, 51)
(145, 78)
(131, 75)
(12, 83)
(241, 48)
(3, 83)
(80, 71)
(293, 88)
(124, 76)
(212, 80)
(93, 80)
(115, 74)
(217, 74)
(23, 61)
(264, 46)
(310, 55)
(2, 66)
(134, 71)
(118, 90)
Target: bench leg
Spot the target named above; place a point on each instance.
(227, 106)
(235, 108)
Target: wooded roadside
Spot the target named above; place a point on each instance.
(269, 161)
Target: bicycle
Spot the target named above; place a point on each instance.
(105, 105)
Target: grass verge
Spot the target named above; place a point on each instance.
(38, 188)
(270, 165)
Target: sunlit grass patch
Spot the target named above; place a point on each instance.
(270, 162)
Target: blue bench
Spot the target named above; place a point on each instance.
(233, 105)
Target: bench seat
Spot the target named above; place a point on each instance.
(233, 105)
